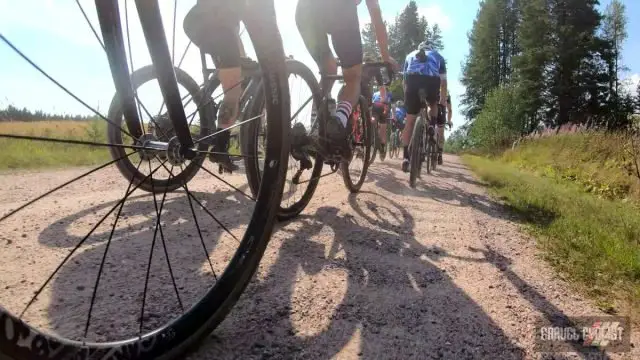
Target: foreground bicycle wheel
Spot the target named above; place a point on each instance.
(72, 292)
(354, 172)
(417, 150)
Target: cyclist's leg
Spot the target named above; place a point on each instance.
(311, 19)
(344, 28)
(412, 103)
(441, 123)
(213, 26)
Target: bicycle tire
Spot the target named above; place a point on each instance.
(19, 341)
(250, 133)
(344, 167)
(114, 134)
(417, 145)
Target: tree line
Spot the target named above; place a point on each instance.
(406, 32)
(12, 113)
(544, 63)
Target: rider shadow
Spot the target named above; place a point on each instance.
(439, 191)
(553, 315)
(344, 289)
(173, 286)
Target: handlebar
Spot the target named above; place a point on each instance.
(378, 70)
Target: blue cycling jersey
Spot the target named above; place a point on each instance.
(434, 65)
(401, 113)
(378, 99)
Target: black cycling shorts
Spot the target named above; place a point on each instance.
(377, 111)
(213, 26)
(431, 87)
(316, 19)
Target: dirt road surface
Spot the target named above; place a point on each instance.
(441, 271)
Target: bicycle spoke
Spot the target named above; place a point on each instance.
(91, 25)
(164, 244)
(106, 250)
(195, 220)
(227, 129)
(65, 184)
(73, 142)
(227, 183)
(26, 58)
(64, 261)
(206, 210)
(158, 227)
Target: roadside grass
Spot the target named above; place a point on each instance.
(591, 240)
(29, 154)
(602, 164)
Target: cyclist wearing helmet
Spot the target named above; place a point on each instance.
(380, 103)
(212, 25)
(423, 69)
(400, 115)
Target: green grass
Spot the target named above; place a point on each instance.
(600, 163)
(28, 154)
(591, 240)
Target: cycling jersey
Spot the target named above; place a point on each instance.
(434, 65)
(377, 98)
(401, 113)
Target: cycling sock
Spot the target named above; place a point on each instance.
(343, 111)
(406, 152)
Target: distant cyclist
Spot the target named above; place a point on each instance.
(424, 69)
(400, 115)
(381, 111)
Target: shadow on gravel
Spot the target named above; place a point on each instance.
(551, 313)
(435, 187)
(180, 271)
(357, 286)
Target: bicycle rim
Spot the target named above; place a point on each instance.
(303, 102)
(352, 174)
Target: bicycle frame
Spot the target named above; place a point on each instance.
(153, 29)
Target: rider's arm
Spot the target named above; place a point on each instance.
(449, 109)
(379, 28)
(443, 82)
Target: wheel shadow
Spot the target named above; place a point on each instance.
(183, 265)
(357, 285)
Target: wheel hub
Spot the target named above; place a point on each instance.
(175, 155)
(147, 153)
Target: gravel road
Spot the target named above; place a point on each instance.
(441, 271)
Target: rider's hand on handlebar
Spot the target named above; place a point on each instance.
(450, 125)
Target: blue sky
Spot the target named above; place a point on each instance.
(55, 35)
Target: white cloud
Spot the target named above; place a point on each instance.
(435, 15)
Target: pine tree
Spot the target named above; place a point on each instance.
(530, 65)
(615, 31)
(407, 32)
(369, 44)
(436, 37)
